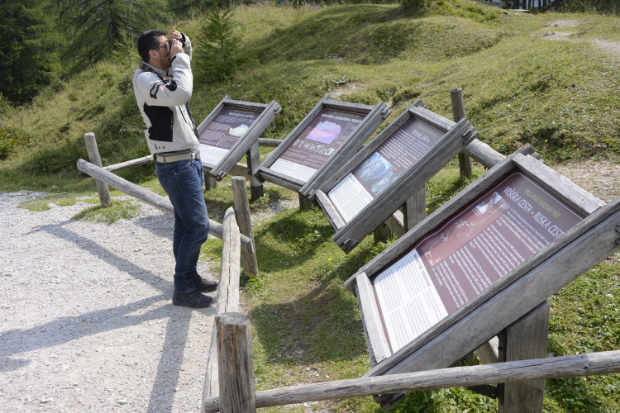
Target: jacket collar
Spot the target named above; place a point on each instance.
(148, 68)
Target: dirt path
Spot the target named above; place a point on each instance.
(86, 320)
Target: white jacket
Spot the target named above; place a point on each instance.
(162, 99)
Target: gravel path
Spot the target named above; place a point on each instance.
(86, 319)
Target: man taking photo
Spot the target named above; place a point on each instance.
(163, 87)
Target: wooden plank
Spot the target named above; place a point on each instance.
(415, 209)
(272, 143)
(410, 182)
(163, 204)
(396, 222)
(525, 339)
(235, 364)
(210, 181)
(93, 155)
(458, 113)
(123, 165)
(352, 146)
(483, 153)
(330, 210)
(583, 201)
(374, 326)
(227, 296)
(304, 203)
(488, 353)
(253, 156)
(505, 301)
(281, 179)
(382, 233)
(249, 139)
(353, 107)
(592, 364)
(246, 105)
(244, 218)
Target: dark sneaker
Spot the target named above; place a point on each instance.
(203, 285)
(192, 299)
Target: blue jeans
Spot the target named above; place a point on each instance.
(183, 181)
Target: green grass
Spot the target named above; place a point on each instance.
(118, 210)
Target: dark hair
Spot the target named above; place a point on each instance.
(148, 41)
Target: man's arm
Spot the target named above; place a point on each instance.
(175, 92)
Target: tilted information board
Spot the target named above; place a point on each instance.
(380, 178)
(230, 131)
(329, 135)
(489, 255)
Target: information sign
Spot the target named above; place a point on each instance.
(379, 170)
(450, 266)
(223, 132)
(318, 141)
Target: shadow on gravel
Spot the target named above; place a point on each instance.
(155, 225)
(54, 333)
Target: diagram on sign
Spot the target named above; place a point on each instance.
(239, 130)
(463, 230)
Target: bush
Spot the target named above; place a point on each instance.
(220, 54)
(10, 139)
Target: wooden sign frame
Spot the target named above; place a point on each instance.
(505, 301)
(245, 143)
(375, 115)
(456, 137)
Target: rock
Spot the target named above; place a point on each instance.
(549, 33)
(46, 399)
(121, 401)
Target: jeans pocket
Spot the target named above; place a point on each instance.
(184, 167)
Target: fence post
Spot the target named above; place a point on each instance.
(253, 160)
(93, 155)
(242, 211)
(458, 112)
(235, 365)
(415, 209)
(525, 339)
(382, 233)
(210, 181)
(304, 203)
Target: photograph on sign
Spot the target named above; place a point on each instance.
(375, 174)
(475, 248)
(224, 131)
(313, 147)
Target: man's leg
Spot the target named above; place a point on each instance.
(183, 184)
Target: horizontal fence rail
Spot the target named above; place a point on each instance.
(549, 368)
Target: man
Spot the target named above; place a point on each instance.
(163, 86)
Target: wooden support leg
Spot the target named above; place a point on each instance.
(256, 187)
(93, 155)
(525, 339)
(242, 211)
(305, 203)
(383, 233)
(458, 112)
(235, 365)
(210, 181)
(415, 209)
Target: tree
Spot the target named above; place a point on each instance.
(99, 27)
(220, 54)
(28, 50)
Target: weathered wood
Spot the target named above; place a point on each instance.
(328, 207)
(227, 296)
(235, 365)
(272, 143)
(343, 155)
(93, 155)
(583, 201)
(523, 340)
(415, 209)
(253, 156)
(516, 293)
(458, 113)
(548, 368)
(159, 202)
(372, 319)
(123, 165)
(382, 233)
(216, 111)
(338, 104)
(280, 179)
(244, 218)
(210, 181)
(249, 139)
(409, 182)
(488, 353)
(304, 203)
(396, 222)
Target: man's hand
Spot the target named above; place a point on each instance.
(175, 34)
(176, 47)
